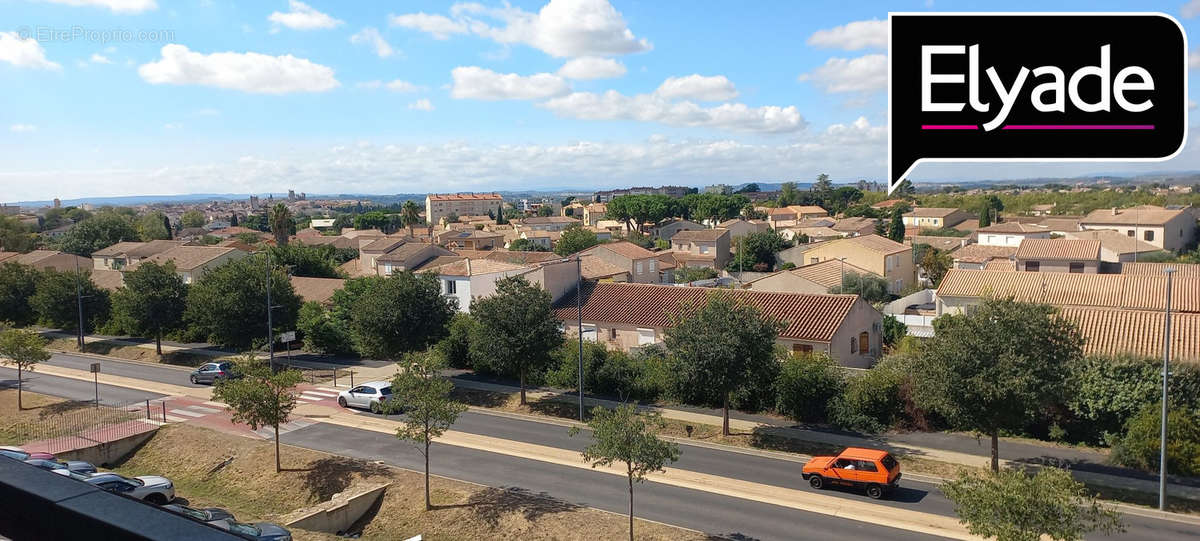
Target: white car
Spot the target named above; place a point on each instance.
(151, 488)
(371, 395)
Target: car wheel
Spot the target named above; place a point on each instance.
(817, 482)
(193, 379)
(342, 401)
(874, 492)
(376, 408)
(156, 499)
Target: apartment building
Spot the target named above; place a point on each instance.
(1058, 255)
(933, 218)
(438, 206)
(1168, 229)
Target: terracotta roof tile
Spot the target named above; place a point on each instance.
(1059, 249)
(981, 253)
(464, 196)
(1013, 227)
(813, 318)
(1129, 291)
(1142, 215)
(1114, 241)
(700, 234)
(1000, 265)
(466, 267)
(876, 243)
(623, 248)
(117, 249)
(930, 212)
(594, 268)
(187, 258)
(1182, 270)
(1136, 332)
(316, 289)
(828, 273)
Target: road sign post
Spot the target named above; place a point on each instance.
(288, 338)
(96, 380)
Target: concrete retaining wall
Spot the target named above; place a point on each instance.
(340, 512)
(109, 452)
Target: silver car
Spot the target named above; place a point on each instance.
(211, 372)
(205, 514)
(61, 468)
(151, 488)
(373, 395)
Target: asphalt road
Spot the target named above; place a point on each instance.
(72, 389)
(129, 369)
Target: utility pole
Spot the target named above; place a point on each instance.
(270, 321)
(579, 312)
(1162, 442)
(79, 301)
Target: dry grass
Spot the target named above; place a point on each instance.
(249, 486)
(46, 417)
(132, 353)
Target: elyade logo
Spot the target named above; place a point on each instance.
(1034, 87)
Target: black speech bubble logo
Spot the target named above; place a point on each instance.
(1034, 87)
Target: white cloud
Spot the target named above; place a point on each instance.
(613, 105)
(1194, 57)
(439, 26)
(591, 67)
(562, 28)
(399, 85)
(302, 17)
(247, 72)
(98, 58)
(24, 52)
(863, 74)
(22, 128)
(116, 6)
(421, 105)
(372, 37)
(872, 34)
(858, 132)
(1190, 9)
(698, 87)
(473, 82)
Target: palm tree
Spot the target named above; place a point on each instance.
(281, 223)
(410, 215)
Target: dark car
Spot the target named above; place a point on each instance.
(73, 466)
(262, 531)
(211, 372)
(206, 514)
(23, 455)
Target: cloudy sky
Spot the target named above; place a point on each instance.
(120, 97)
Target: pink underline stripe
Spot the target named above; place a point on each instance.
(949, 127)
(1079, 127)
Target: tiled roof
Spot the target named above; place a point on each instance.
(1143, 215)
(1059, 249)
(154, 247)
(816, 222)
(1129, 291)
(887, 204)
(465, 196)
(981, 253)
(316, 289)
(828, 273)
(383, 245)
(1013, 227)
(467, 267)
(110, 280)
(438, 261)
(700, 234)
(813, 318)
(1182, 270)
(522, 258)
(941, 243)
(353, 269)
(1136, 332)
(336, 242)
(538, 220)
(930, 212)
(1000, 265)
(1114, 241)
(594, 268)
(7, 255)
(189, 257)
(622, 248)
(403, 252)
(808, 209)
(784, 211)
(875, 243)
(819, 232)
(1061, 223)
(117, 249)
(855, 223)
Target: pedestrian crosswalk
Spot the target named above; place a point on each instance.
(310, 395)
(268, 432)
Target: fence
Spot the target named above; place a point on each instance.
(335, 376)
(67, 426)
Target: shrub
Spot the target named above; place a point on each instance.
(456, 347)
(322, 332)
(805, 386)
(871, 401)
(606, 372)
(1139, 448)
(1107, 391)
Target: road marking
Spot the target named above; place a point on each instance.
(327, 395)
(334, 391)
(176, 419)
(314, 398)
(221, 405)
(204, 409)
(187, 413)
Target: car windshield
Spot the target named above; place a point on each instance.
(243, 528)
(19, 455)
(889, 462)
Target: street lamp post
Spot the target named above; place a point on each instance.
(270, 320)
(579, 313)
(1162, 442)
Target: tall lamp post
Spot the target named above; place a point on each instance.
(579, 313)
(270, 320)
(1162, 442)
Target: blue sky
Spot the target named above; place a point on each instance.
(386, 97)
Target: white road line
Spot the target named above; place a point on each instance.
(318, 398)
(203, 409)
(176, 419)
(187, 413)
(327, 395)
(217, 404)
(335, 391)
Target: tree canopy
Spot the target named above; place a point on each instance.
(429, 410)
(397, 314)
(1013, 506)
(22, 348)
(152, 301)
(228, 304)
(260, 397)
(636, 210)
(18, 283)
(100, 231)
(55, 303)
(575, 238)
(516, 331)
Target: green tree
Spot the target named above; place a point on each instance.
(516, 331)
(1013, 506)
(684, 275)
(758, 249)
(1140, 446)
(872, 288)
(936, 264)
(282, 224)
(996, 367)
(100, 231)
(322, 332)
(806, 385)
(260, 397)
(526, 245)
(56, 305)
(410, 215)
(637, 210)
(822, 187)
(895, 229)
(544, 211)
(871, 400)
(1108, 391)
(152, 301)
(400, 313)
(193, 218)
(575, 239)
(151, 227)
(623, 436)
(429, 410)
(455, 348)
(318, 261)
(22, 348)
(257, 222)
(893, 330)
(228, 304)
(718, 347)
(788, 194)
(18, 283)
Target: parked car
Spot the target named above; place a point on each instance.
(151, 488)
(73, 466)
(371, 395)
(206, 514)
(22, 455)
(873, 470)
(263, 531)
(211, 372)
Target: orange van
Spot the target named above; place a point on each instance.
(875, 471)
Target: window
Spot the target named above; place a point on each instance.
(645, 336)
(653, 265)
(864, 342)
(451, 287)
(802, 349)
(612, 333)
(853, 345)
(639, 267)
(589, 332)
(704, 249)
(1129, 233)
(812, 260)
(867, 465)
(1033, 266)
(1076, 267)
(1148, 235)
